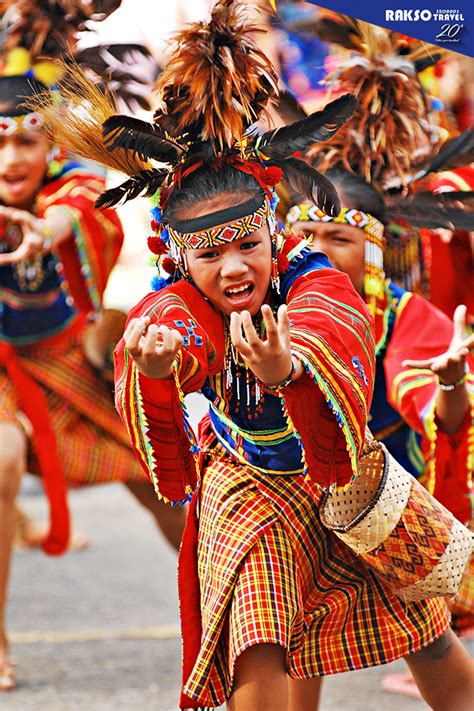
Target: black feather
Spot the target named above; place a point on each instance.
(454, 153)
(299, 136)
(452, 211)
(147, 182)
(145, 139)
(310, 183)
(288, 108)
(425, 62)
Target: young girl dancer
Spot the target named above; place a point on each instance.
(280, 343)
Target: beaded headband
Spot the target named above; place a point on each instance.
(13, 124)
(226, 231)
(374, 275)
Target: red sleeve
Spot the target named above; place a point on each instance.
(153, 409)
(423, 331)
(92, 250)
(331, 333)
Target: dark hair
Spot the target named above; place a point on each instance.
(208, 182)
(361, 194)
(14, 90)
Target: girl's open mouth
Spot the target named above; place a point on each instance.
(240, 294)
(14, 183)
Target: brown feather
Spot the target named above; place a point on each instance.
(76, 121)
(217, 81)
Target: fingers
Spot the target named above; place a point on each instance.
(33, 235)
(418, 363)
(468, 343)
(141, 338)
(236, 335)
(24, 251)
(251, 335)
(133, 333)
(15, 215)
(172, 340)
(283, 322)
(148, 341)
(271, 325)
(459, 321)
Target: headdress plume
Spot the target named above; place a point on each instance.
(214, 89)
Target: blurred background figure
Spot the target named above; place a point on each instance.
(408, 146)
(56, 253)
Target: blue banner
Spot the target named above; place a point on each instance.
(449, 25)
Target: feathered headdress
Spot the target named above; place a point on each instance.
(34, 33)
(211, 94)
(391, 133)
(391, 140)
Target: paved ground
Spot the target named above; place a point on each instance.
(98, 630)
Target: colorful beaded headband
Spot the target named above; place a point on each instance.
(224, 233)
(374, 276)
(348, 216)
(12, 124)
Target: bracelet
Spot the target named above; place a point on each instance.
(284, 383)
(448, 387)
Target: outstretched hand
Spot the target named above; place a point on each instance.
(34, 234)
(450, 366)
(269, 360)
(153, 348)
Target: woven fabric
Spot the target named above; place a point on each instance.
(222, 234)
(92, 442)
(269, 572)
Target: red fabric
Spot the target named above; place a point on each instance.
(86, 272)
(157, 414)
(189, 598)
(34, 406)
(423, 331)
(101, 233)
(452, 263)
(327, 314)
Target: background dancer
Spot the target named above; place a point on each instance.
(56, 413)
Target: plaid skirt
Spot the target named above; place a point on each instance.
(270, 573)
(92, 442)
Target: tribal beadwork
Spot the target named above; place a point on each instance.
(223, 234)
(374, 275)
(13, 124)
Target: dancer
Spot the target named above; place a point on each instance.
(423, 403)
(56, 252)
(268, 332)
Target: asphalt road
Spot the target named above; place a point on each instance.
(98, 630)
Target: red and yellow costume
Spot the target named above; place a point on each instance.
(76, 435)
(256, 565)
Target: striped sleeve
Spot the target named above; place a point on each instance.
(153, 409)
(422, 331)
(92, 250)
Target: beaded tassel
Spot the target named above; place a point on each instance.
(374, 276)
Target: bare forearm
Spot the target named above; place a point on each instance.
(59, 223)
(451, 409)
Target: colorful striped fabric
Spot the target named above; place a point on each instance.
(91, 440)
(88, 256)
(269, 572)
(420, 331)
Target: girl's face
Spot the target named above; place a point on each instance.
(234, 276)
(23, 163)
(344, 245)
